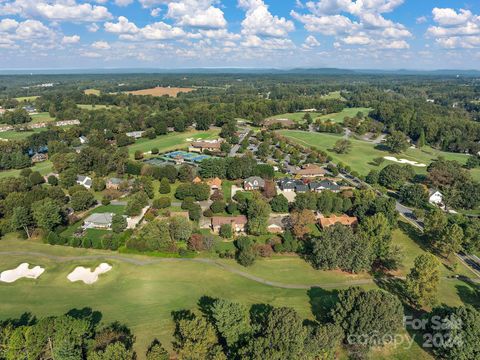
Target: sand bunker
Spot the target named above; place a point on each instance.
(86, 275)
(404, 161)
(22, 271)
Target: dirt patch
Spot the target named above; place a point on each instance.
(160, 91)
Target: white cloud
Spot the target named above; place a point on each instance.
(455, 29)
(101, 45)
(311, 42)
(421, 20)
(196, 13)
(70, 39)
(65, 10)
(259, 21)
(365, 24)
(155, 12)
(90, 54)
(123, 26)
(253, 41)
(123, 3)
(93, 27)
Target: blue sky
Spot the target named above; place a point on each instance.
(380, 34)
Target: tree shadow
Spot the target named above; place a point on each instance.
(87, 313)
(26, 319)
(415, 234)
(469, 292)
(205, 305)
(382, 147)
(322, 302)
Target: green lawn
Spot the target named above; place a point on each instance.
(347, 112)
(19, 135)
(363, 152)
(334, 95)
(335, 117)
(26, 98)
(41, 117)
(171, 141)
(44, 168)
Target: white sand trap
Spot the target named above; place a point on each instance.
(22, 271)
(189, 139)
(86, 275)
(404, 161)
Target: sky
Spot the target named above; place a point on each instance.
(354, 34)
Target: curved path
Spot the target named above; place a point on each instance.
(144, 262)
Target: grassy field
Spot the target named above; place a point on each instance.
(334, 95)
(171, 141)
(26, 98)
(44, 168)
(161, 91)
(19, 135)
(143, 296)
(41, 117)
(347, 112)
(335, 117)
(363, 152)
(91, 92)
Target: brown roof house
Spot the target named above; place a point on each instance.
(346, 220)
(209, 145)
(311, 171)
(238, 223)
(215, 184)
(277, 224)
(38, 157)
(197, 180)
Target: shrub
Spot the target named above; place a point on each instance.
(155, 151)
(138, 155)
(208, 213)
(264, 250)
(195, 242)
(164, 186)
(226, 231)
(217, 207)
(162, 203)
(52, 180)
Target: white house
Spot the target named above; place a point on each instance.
(85, 181)
(436, 198)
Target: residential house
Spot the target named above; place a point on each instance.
(67, 122)
(310, 171)
(238, 223)
(197, 180)
(205, 145)
(99, 221)
(319, 186)
(215, 184)
(85, 181)
(39, 157)
(286, 123)
(254, 183)
(276, 224)
(435, 198)
(114, 183)
(135, 134)
(346, 220)
(30, 109)
(292, 185)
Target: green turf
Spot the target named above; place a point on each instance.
(297, 116)
(347, 112)
(44, 168)
(171, 141)
(41, 117)
(26, 98)
(19, 135)
(334, 95)
(363, 152)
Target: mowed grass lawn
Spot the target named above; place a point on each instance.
(41, 117)
(19, 135)
(171, 141)
(362, 153)
(334, 117)
(44, 168)
(26, 98)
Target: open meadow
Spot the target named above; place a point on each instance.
(334, 117)
(161, 91)
(43, 168)
(360, 157)
(172, 141)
